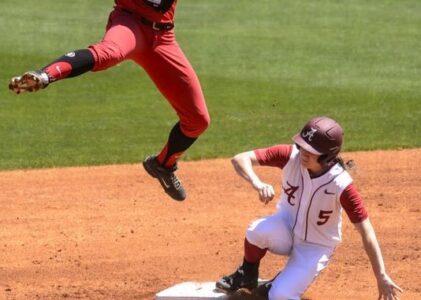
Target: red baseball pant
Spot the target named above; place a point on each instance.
(158, 53)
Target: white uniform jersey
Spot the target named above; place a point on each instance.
(307, 226)
(313, 204)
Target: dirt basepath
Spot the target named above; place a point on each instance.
(111, 233)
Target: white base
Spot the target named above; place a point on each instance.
(191, 291)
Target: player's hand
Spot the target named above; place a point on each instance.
(266, 191)
(387, 288)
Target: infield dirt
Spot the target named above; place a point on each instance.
(111, 233)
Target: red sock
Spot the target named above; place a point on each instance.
(177, 143)
(168, 160)
(58, 70)
(70, 65)
(252, 253)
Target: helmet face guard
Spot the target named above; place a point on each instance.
(321, 136)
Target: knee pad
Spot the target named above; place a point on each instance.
(271, 233)
(255, 237)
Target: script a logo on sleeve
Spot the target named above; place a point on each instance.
(290, 191)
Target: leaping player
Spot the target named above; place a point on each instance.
(141, 31)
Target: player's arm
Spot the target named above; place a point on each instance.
(387, 288)
(243, 164)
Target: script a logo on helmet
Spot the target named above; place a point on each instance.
(309, 134)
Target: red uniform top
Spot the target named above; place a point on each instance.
(141, 8)
(351, 200)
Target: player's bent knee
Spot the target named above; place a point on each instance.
(107, 54)
(196, 127)
(256, 238)
(204, 123)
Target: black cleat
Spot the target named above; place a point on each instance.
(240, 279)
(171, 184)
(263, 289)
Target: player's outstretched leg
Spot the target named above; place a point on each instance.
(245, 277)
(69, 65)
(30, 81)
(168, 180)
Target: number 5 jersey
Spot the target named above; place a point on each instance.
(313, 205)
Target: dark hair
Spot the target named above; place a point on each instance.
(347, 165)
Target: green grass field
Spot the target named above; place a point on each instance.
(265, 66)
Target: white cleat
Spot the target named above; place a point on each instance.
(31, 81)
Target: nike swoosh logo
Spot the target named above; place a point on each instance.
(328, 193)
(164, 183)
(58, 70)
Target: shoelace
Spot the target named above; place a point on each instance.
(176, 182)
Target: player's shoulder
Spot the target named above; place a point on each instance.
(341, 176)
(277, 155)
(277, 149)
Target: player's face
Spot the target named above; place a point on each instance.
(309, 160)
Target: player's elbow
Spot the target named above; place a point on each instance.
(235, 161)
(243, 158)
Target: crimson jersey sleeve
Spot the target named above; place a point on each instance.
(274, 156)
(353, 204)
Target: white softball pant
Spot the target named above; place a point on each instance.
(306, 260)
